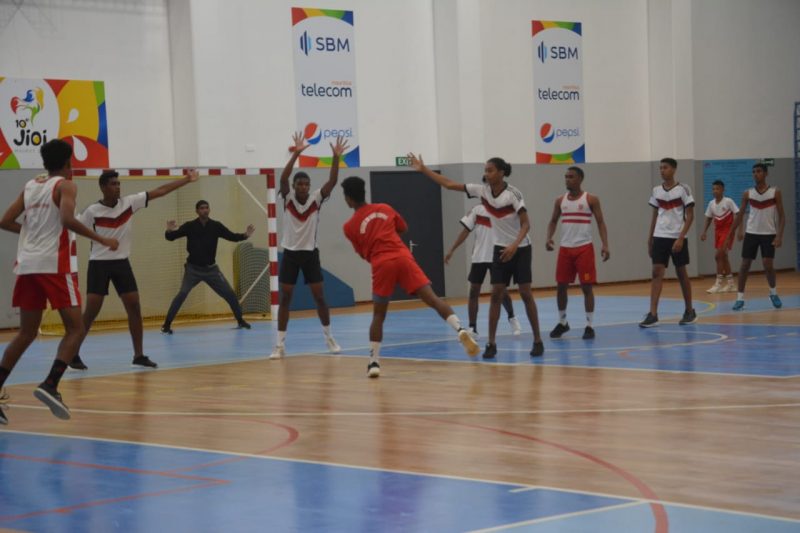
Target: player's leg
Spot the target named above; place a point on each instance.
(565, 274)
(750, 246)
(215, 279)
(380, 305)
(426, 294)
(191, 277)
(660, 254)
(513, 321)
(29, 322)
(473, 302)
(312, 272)
(768, 258)
(287, 278)
(533, 317)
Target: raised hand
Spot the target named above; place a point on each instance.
(250, 230)
(416, 162)
(340, 147)
(172, 225)
(299, 142)
(192, 174)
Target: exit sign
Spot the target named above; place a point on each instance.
(402, 161)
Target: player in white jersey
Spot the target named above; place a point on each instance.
(765, 225)
(47, 267)
(673, 214)
(511, 256)
(478, 222)
(721, 210)
(112, 217)
(299, 241)
(576, 251)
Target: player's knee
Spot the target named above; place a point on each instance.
(474, 290)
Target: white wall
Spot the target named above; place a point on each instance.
(125, 44)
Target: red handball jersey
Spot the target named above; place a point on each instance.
(373, 231)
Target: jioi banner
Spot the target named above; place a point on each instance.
(33, 112)
(558, 92)
(325, 83)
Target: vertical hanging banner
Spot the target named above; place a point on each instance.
(558, 92)
(33, 112)
(325, 83)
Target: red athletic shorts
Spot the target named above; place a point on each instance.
(720, 234)
(578, 260)
(403, 271)
(32, 291)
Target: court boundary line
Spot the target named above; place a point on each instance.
(557, 517)
(405, 472)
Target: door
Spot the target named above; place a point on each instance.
(419, 202)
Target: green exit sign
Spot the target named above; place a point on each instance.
(402, 161)
(770, 162)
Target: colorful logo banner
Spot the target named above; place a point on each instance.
(558, 92)
(33, 112)
(325, 80)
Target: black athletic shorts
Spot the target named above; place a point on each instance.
(662, 251)
(518, 268)
(296, 260)
(117, 271)
(477, 272)
(752, 242)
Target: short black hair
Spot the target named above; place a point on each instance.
(577, 170)
(56, 154)
(500, 164)
(299, 176)
(762, 166)
(199, 204)
(355, 189)
(670, 161)
(106, 176)
(719, 182)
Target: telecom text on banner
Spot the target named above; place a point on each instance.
(558, 92)
(325, 81)
(33, 112)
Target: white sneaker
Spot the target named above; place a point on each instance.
(516, 327)
(469, 344)
(730, 288)
(278, 352)
(474, 333)
(373, 369)
(714, 289)
(333, 346)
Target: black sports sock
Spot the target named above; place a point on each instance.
(56, 371)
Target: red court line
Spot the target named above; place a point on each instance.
(659, 513)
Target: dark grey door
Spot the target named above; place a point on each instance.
(419, 202)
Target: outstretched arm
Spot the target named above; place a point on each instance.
(228, 235)
(418, 165)
(338, 149)
(594, 205)
(297, 149)
(551, 227)
(460, 239)
(9, 221)
(167, 188)
(174, 232)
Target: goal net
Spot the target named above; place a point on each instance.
(236, 197)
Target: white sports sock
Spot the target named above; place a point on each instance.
(562, 317)
(374, 351)
(454, 322)
(773, 291)
(327, 330)
(729, 277)
(589, 318)
(281, 337)
(740, 296)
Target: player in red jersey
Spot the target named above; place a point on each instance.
(374, 232)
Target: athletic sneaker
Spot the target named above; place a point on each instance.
(588, 333)
(373, 369)
(730, 287)
(689, 317)
(738, 305)
(77, 363)
(776, 301)
(516, 327)
(490, 351)
(715, 288)
(143, 361)
(538, 349)
(278, 352)
(4, 396)
(3, 417)
(469, 344)
(649, 321)
(559, 330)
(474, 332)
(333, 346)
(52, 398)
(243, 325)
(166, 329)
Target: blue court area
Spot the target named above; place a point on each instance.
(74, 484)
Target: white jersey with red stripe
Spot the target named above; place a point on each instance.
(763, 212)
(114, 223)
(671, 205)
(45, 245)
(576, 221)
(300, 221)
(478, 222)
(503, 210)
(722, 212)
